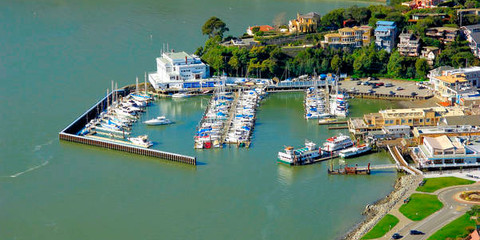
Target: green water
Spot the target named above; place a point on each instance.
(57, 58)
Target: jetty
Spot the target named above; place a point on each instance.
(71, 134)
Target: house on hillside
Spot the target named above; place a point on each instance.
(472, 34)
(443, 34)
(304, 23)
(430, 53)
(348, 37)
(385, 35)
(409, 45)
(263, 28)
(422, 3)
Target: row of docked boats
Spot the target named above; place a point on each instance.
(118, 117)
(340, 145)
(315, 105)
(243, 121)
(211, 127)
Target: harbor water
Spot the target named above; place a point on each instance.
(58, 58)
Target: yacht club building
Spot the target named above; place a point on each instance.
(179, 70)
(447, 152)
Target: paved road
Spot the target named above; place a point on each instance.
(451, 210)
(408, 87)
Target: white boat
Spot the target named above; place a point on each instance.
(355, 151)
(337, 143)
(141, 141)
(180, 95)
(300, 156)
(162, 120)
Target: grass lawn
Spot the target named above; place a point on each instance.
(382, 227)
(454, 229)
(420, 206)
(433, 184)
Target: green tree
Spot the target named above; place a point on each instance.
(395, 65)
(333, 19)
(214, 27)
(336, 63)
(422, 67)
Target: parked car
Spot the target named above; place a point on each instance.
(374, 78)
(399, 88)
(355, 79)
(392, 93)
(414, 94)
(416, 232)
(396, 236)
(388, 85)
(359, 83)
(371, 91)
(374, 86)
(366, 83)
(379, 84)
(421, 87)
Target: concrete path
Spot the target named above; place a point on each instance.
(451, 210)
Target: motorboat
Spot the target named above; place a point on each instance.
(141, 141)
(162, 120)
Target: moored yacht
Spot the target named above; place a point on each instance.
(355, 151)
(141, 141)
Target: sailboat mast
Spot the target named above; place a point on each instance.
(108, 105)
(136, 85)
(116, 92)
(146, 84)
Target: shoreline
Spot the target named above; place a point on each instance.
(375, 212)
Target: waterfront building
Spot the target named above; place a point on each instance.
(409, 45)
(472, 74)
(357, 36)
(389, 133)
(385, 35)
(447, 152)
(306, 23)
(472, 34)
(430, 54)
(179, 70)
(452, 87)
(262, 28)
(410, 116)
(443, 34)
(449, 130)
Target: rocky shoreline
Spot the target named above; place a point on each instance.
(373, 213)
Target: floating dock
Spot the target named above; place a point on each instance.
(70, 133)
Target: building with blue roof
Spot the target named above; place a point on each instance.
(385, 35)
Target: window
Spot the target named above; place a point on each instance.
(428, 120)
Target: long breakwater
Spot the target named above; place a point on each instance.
(70, 133)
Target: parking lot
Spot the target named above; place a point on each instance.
(385, 87)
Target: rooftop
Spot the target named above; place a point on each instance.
(473, 120)
(177, 55)
(441, 142)
(386, 23)
(309, 15)
(454, 78)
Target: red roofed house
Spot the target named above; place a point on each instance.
(263, 28)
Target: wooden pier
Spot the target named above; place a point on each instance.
(71, 131)
(332, 122)
(337, 127)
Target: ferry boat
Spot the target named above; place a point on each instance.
(337, 143)
(300, 156)
(355, 151)
(141, 141)
(162, 120)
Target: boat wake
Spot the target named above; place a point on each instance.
(28, 170)
(38, 147)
